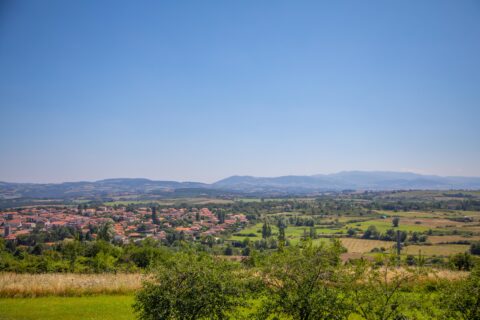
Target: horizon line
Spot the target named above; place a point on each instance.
(242, 175)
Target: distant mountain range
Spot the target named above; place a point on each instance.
(348, 180)
(355, 180)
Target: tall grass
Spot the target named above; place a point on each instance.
(14, 285)
(65, 284)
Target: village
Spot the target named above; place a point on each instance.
(127, 224)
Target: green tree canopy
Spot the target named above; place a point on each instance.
(190, 287)
(305, 282)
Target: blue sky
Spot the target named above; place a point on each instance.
(200, 90)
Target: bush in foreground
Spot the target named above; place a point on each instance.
(305, 283)
(461, 299)
(191, 286)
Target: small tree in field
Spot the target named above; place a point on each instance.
(305, 283)
(190, 287)
(395, 222)
(475, 248)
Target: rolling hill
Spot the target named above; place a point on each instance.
(347, 180)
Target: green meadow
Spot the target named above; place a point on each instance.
(383, 225)
(99, 308)
(68, 308)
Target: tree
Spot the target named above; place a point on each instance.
(410, 260)
(461, 299)
(415, 237)
(210, 240)
(154, 216)
(266, 230)
(351, 232)
(395, 222)
(228, 250)
(305, 283)
(221, 217)
(377, 291)
(281, 237)
(475, 248)
(371, 233)
(313, 233)
(106, 232)
(190, 286)
(71, 251)
(462, 261)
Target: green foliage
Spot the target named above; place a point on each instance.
(305, 282)
(106, 232)
(461, 299)
(266, 230)
(395, 222)
(377, 291)
(371, 233)
(475, 248)
(462, 261)
(84, 257)
(190, 287)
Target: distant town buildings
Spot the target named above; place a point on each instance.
(127, 225)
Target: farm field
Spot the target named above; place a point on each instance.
(354, 245)
(68, 308)
(451, 238)
(412, 221)
(292, 233)
(67, 284)
(383, 225)
(107, 307)
(364, 246)
(436, 250)
(414, 214)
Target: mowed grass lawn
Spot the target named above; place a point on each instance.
(68, 308)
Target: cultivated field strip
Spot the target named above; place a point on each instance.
(57, 284)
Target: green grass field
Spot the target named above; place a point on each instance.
(96, 308)
(73, 308)
(383, 225)
(293, 234)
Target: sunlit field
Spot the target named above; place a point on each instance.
(65, 284)
(68, 308)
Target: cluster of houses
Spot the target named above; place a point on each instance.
(127, 225)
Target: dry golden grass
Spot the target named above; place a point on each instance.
(451, 238)
(426, 275)
(447, 274)
(65, 284)
(354, 245)
(437, 250)
(433, 222)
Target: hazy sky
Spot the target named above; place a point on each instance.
(200, 90)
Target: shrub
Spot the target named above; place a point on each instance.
(461, 299)
(190, 286)
(305, 283)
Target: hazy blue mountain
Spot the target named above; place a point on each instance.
(91, 189)
(365, 180)
(357, 180)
